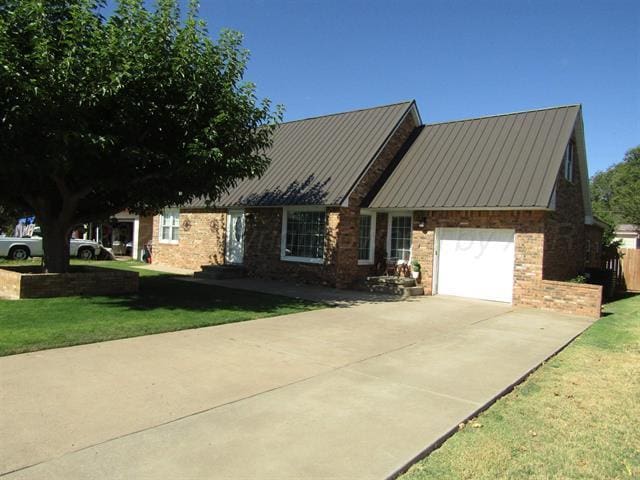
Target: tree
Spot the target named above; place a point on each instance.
(137, 111)
(7, 221)
(615, 192)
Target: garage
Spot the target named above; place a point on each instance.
(475, 262)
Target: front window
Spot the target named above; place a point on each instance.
(169, 225)
(304, 232)
(568, 162)
(366, 238)
(400, 240)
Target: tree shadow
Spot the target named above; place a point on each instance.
(307, 192)
(168, 292)
(621, 296)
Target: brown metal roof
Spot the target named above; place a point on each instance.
(317, 161)
(502, 161)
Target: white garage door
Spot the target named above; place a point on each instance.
(476, 263)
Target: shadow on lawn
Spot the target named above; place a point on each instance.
(622, 296)
(168, 292)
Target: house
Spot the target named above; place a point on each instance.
(495, 208)
(126, 234)
(627, 235)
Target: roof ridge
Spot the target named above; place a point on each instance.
(349, 111)
(504, 114)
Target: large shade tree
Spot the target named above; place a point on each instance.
(138, 110)
(615, 192)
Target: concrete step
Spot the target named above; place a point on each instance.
(390, 285)
(413, 291)
(221, 272)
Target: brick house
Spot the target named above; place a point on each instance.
(495, 207)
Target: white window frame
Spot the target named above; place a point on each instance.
(161, 224)
(372, 235)
(568, 160)
(389, 223)
(283, 240)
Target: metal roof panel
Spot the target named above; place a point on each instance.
(500, 161)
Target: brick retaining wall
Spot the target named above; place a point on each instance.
(25, 282)
(564, 297)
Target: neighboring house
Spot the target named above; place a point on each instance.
(628, 236)
(495, 208)
(125, 234)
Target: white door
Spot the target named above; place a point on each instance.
(475, 262)
(235, 237)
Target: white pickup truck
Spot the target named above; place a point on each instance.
(17, 248)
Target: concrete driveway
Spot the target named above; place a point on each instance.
(343, 393)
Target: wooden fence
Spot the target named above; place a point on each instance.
(626, 269)
(631, 268)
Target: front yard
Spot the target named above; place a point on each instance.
(575, 417)
(163, 304)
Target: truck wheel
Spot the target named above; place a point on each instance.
(19, 253)
(85, 254)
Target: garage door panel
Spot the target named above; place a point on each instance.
(476, 263)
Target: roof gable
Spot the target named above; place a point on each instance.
(317, 161)
(502, 161)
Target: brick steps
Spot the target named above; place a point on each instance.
(221, 272)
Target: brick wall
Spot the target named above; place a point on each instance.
(564, 244)
(9, 284)
(145, 231)
(201, 240)
(24, 282)
(564, 297)
(263, 233)
(381, 163)
(530, 288)
(529, 241)
(593, 246)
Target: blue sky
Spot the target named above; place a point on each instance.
(457, 59)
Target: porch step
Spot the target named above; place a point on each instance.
(401, 286)
(221, 272)
(413, 291)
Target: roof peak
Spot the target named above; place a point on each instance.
(408, 102)
(505, 114)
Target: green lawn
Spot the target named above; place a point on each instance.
(163, 304)
(575, 417)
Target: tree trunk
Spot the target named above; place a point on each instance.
(55, 242)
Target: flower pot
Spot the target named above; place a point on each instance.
(415, 275)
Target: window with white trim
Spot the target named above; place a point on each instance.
(400, 243)
(169, 225)
(303, 235)
(366, 238)
(568, 162)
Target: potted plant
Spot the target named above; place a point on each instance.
(415, 269)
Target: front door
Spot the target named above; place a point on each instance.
(235, 237)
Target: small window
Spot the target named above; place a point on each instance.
(303, 233)
(568, 162)
(366, 242)
(400, 240)
(169, 225)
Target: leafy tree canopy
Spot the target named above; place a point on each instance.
(136, 111)
(616, 191)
